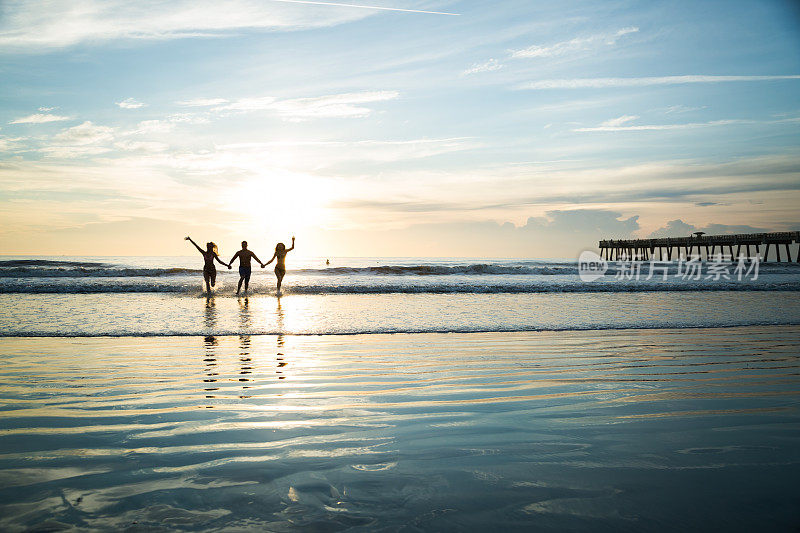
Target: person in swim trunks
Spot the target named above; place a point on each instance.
(280, 265)
(209, 270)
(244, 256)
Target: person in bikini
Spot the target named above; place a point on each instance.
(244, 256)
(280, 265)
(209, 255)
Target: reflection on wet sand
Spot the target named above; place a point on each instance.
(281, 341)
(210, 360)
(210, 348)
(545, 431)
(210, 317)
(245, 361)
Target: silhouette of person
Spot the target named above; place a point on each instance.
(209, 269)
(280, 265)
(244, 256)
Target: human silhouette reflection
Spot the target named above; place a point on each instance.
(245, 361)
(210, 370)
(210, 315)
(210, 352)
(280, 341)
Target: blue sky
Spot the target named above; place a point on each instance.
(485, 128)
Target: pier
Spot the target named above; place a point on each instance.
(667, 248)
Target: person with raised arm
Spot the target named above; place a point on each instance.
(280, 265)
(209, 269)
(244, 256)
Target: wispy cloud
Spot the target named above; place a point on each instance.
(26, 26)
(573, 45)
(619, 121)
(202, 102)
(39, 118)
(618, 124)
(86, 133)
(328, 106)
(557, 49)
(674, 109)
(361, 6)
(336, 105)
(486, 66)
(602, 83)
(130, 103)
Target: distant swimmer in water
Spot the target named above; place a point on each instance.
(244, 256)
(209, 270)
(280, 265)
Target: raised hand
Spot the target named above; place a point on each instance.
(187, 238)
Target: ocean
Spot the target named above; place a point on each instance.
(142, 296)
(397, 394)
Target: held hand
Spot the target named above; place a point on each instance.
(229, 266)
(263, 265)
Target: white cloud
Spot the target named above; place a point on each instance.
(335, 105)
(130, 103)
(616, 125)
(46, 109)
(487, 66)
(12, 144)
(27, 26)
(84, 134)
(362, 6)
(619, 121)
(142, 146)
(328, 106)
(39, 118)
(248, 104)
(315, 155)
(202, 102)
(73, 152)
(681, 109)
(187, 118)
(602, 83)
(153, 126)
(573, 45)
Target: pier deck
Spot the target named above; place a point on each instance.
(644, 249)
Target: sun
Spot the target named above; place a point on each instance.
(283, 202)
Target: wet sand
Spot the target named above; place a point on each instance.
(625, 430)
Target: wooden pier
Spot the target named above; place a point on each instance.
(676, 247)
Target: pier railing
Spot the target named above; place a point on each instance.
(644, 249)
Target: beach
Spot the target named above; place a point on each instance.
(623, 430)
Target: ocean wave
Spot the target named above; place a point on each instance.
(576, 286)
(38, 268)
(447, 270)
(90, 270)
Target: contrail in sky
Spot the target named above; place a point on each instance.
(365, 7)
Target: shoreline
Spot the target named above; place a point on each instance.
(399, 333)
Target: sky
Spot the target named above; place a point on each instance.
(394, 127)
